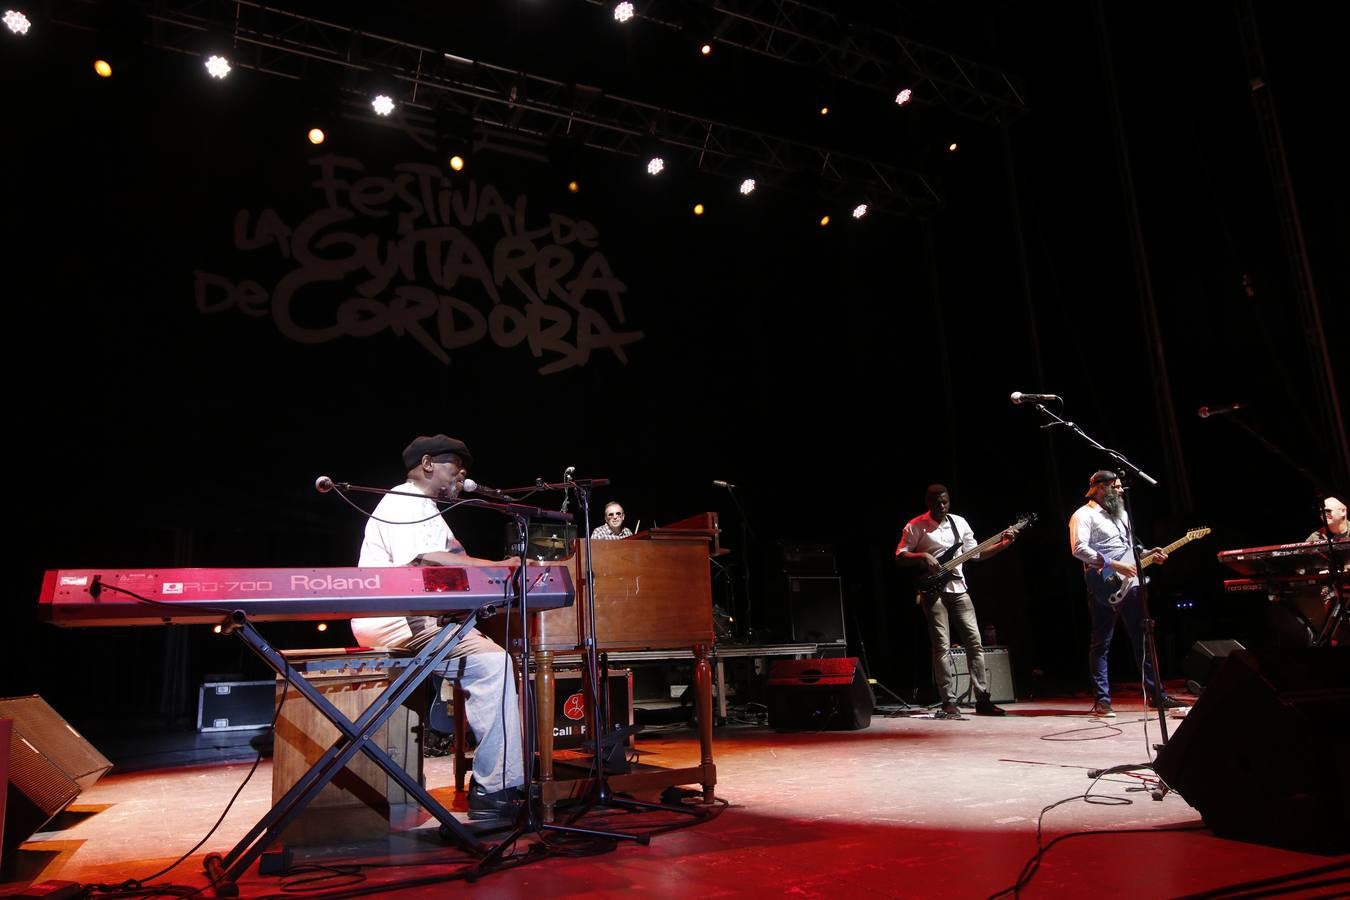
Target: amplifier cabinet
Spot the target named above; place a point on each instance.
(816, 607)
(997, 668)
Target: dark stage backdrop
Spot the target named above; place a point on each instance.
(206, 313)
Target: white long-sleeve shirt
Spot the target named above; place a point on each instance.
(1098, 538)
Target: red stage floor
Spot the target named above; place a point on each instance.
(910, 807)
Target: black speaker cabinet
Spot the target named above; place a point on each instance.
(49, 764)
(1203, 659)
(1262, 754)
(819, 695)
(997, 669)
(569, 706)
(236, 705)
(816, 605)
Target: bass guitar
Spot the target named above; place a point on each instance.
(1120, 586)
(931, 585)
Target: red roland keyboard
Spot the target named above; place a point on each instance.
(1283, 559)
(100, 596)
(1281, 584)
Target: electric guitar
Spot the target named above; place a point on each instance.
(1121, 586)
(931, 585)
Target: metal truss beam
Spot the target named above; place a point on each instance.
(429, 82)
(818, 39)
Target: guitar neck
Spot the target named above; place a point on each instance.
(951, 564)
(1178, 543)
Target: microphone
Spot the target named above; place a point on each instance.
(1018, 397)
(323, 484)
(1205, 412)
(723, 484)
(473, 487)
(567, 491)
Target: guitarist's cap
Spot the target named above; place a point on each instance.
(1101, 476)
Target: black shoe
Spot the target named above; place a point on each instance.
(948, 711)
(1168, 702)
(1102, 709)
(987, 708)
(503, 804)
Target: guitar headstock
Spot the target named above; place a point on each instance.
(1196, 534)
(1026, 520)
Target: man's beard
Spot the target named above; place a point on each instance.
(1114, 504)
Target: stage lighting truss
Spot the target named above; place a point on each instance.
(810, 35)
(524, 112)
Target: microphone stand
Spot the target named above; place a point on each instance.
(1150, 647)
(600, 795)
(1261, 439)
(746, 535)
(530, 820)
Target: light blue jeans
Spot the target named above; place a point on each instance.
(491, 707)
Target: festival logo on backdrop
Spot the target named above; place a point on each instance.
(408, 254)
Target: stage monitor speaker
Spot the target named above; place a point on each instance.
(816, 607)
(1202, 661)
(1262, 756)
(49, 764)
(997, 668)
(819, 695)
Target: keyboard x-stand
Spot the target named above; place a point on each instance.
(356, 736)
(237, 598)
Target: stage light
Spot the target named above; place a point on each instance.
(860, 210)
(656, 165)
(573, 187)
(322, 626)
(623, 12)
(217, 629)
(824, 110)
(706, 49)
(904, 97)
(217, 66)
(457, 163)
(952, 148)
(103, 69)
(698, 209)
(383, 104)
(747, 187)
(824, 220)
(316, 136)
(17, 22)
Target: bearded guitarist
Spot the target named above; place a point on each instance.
(930, 540)
(1099, 536)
